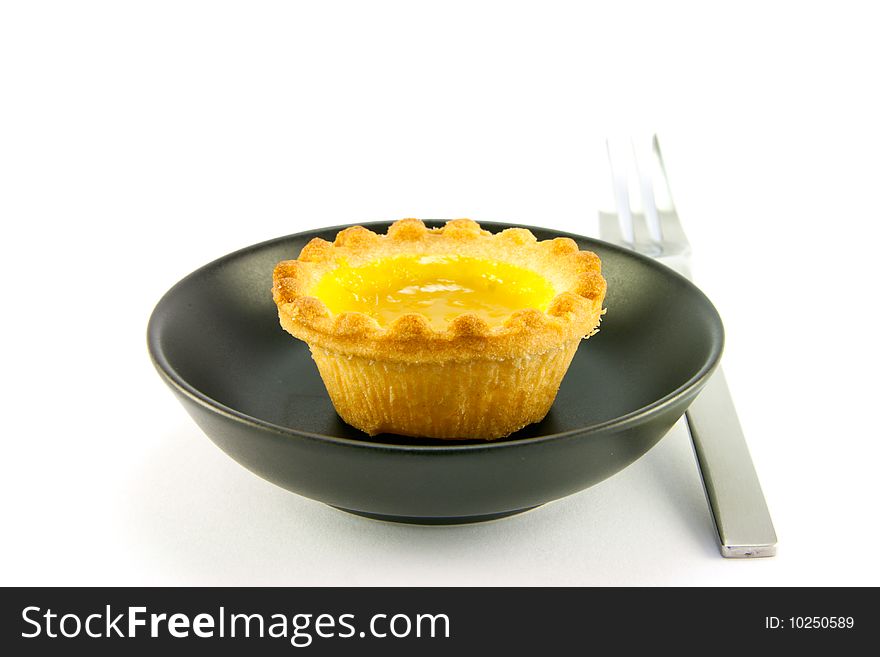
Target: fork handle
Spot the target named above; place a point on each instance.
(741, 517)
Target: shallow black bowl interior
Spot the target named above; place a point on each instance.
(254, 390)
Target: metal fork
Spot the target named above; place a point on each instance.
(733, 491)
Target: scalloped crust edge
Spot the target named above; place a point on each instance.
(574, 312)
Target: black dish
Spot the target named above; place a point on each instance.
(254, 390)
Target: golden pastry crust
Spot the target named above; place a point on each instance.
(573, 313)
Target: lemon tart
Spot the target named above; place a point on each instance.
(450, 333)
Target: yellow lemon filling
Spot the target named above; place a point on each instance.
(438, 287)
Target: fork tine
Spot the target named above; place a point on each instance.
(674, 238)
(643, 159)
(636, 229)
(665, 198)
(621, 197)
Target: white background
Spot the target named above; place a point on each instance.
(139, 141)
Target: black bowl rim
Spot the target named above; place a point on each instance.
(623, 422)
